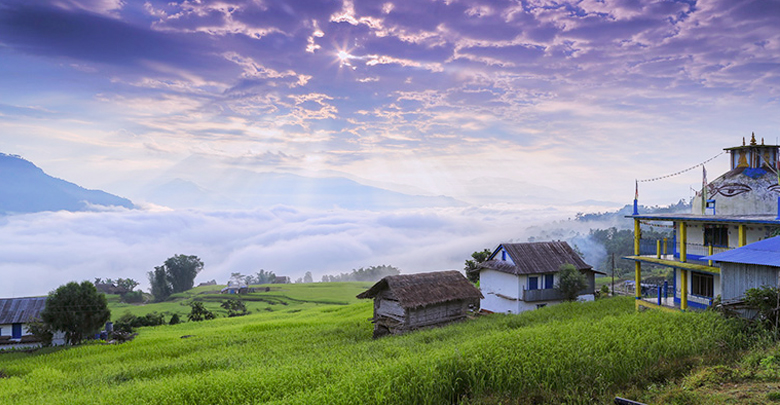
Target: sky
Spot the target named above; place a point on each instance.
(427, 97)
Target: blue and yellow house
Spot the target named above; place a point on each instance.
(740, 207)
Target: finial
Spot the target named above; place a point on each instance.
(753, 139)
(743, 141)
(762, 141)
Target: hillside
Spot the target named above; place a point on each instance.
(25, 188)
(323, 353)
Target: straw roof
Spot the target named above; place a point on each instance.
(536, 258)
(421, 289)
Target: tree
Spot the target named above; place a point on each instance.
(472, 266)
(199, 312)
(161, 289)
(181, 271)
(127, 283)
(76, 309)
(307, 278)
(570, 282)
(177, 274)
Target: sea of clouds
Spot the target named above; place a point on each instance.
(44, 250)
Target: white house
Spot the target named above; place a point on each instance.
(519, 277)
(15, 314)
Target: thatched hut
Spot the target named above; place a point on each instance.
(411, 301)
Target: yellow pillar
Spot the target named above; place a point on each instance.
(742, 236)
(709, 252)
(665, 247)
(658, 249)
(683, 289)
(683, 243)
(637, 264)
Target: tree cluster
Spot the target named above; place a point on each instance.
(176, 275)
(128, 322)
(373, 273)
(620, 242)
(261, 277)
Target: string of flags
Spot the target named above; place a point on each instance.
(681, 171)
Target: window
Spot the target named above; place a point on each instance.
(549, 281)
(701, 284)
(540, 306)
(533, 283)
(716, 235)
(503, 255)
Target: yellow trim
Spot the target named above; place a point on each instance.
(680, 265)
(683, 243)
(643, 303)
(742, 236)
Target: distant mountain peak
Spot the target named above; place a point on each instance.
(25, 188)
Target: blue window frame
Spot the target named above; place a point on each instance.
(549, 281)
(533, 283)
(16, 331)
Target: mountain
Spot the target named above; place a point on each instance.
(246, 189)
(25, 188)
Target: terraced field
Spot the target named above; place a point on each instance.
(318, 349)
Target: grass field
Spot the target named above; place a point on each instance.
(310, 352)
(280, 297)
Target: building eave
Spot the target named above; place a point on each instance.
(735, 219)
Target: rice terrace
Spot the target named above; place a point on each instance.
(312, 344)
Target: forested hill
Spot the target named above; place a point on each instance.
(620, 215)
(25, 188)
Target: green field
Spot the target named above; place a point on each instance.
(311, 352)
(281, 297)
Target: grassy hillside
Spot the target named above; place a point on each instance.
(307, 353)
(281, 297)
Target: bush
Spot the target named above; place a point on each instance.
(199, 312)
(132, 297)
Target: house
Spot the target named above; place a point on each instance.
(738, 208)
(750, 266)
(407, 302)
(235, 288)
(282, 280)
(519, 277)
(15, 315)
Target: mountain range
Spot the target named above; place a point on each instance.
(25, 188)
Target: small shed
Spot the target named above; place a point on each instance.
(412, 301)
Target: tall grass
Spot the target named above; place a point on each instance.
(572, 353)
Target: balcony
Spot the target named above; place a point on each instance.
(549, 294)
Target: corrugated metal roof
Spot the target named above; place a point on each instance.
(20, 310)
(537, 258)
(735, 219)
(765, 253)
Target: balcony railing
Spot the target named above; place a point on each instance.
(549, 294)
(651, 247)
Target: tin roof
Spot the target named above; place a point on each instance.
(765, 252)
(536, 258)
(736, 219)
(20, 310)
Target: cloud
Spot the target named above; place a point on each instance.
(44, 250)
